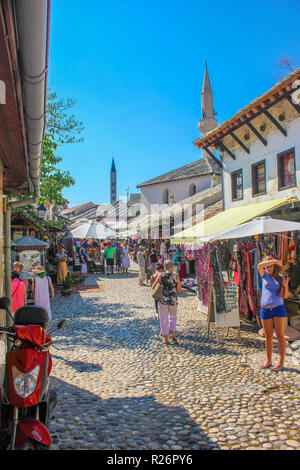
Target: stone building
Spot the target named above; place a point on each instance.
(260, 148)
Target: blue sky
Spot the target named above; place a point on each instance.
(136, 70)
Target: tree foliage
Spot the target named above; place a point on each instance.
(62, 128)
(53, 179)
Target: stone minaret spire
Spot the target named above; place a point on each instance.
(113, 182)
(208, 121)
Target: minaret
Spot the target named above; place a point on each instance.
(113, 182)
(208, 121)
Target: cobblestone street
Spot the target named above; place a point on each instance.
(119, 387)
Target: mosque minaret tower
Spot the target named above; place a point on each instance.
(113, 183)
(208, 121)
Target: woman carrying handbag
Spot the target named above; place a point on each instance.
(166, 287)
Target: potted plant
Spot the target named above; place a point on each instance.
(67, 285)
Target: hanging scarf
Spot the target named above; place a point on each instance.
(203, 273)
(249, 286)
(215, 263)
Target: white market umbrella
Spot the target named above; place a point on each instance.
(256, 227)
(93, 229)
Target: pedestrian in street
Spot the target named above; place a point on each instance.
(167, 306)
(43, 290)
(85, 246)
(83, 262)
(110, 254)
(18, 289)
(119, 256)
(125, 259)
(142, 265)
(18, 268)
(275, 288)
(159, 269)
(62, 265)
(153, 259)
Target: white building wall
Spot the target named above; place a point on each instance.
(277, 143)
(180, 189)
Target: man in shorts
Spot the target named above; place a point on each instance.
(110, 254)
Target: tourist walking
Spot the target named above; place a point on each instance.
(110, 254)
(167, 306)
(142, 265)
(83, 262)
(119, 256)
(125, 259)
(153, 259)
(18, 268)
(275, 288)
(43, 290)
(18, 291)
(62, 266)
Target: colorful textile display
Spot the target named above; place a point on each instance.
(203, 273)
(284, 248)
(215, 261)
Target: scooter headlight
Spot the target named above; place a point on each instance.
(25, 384)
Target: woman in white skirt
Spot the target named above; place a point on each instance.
(125, 259)
(83, 261)
(43, 290)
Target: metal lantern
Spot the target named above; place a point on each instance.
(41, 210)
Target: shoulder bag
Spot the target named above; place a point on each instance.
(157, 292)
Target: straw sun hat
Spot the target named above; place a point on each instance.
(38, 270)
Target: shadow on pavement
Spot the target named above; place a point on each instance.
(133, 423)
(93, 327)
(80, 366)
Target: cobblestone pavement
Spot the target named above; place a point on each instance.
(119, 387)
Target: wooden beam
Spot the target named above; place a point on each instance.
(276, 123)
(296, 106)
(258, 135)
(213, 157)
(223, 146)
(240, 142)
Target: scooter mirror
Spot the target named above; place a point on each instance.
(4, 303)
(61, 324)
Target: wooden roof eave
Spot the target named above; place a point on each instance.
(13, 134)
(245, 116)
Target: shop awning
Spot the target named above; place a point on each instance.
(228, 219)
(257, 226)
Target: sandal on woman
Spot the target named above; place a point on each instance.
(174, 339)
(266, 366)
(276, 369)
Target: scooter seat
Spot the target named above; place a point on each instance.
(32, 315)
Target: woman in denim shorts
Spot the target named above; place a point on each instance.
(274, 288)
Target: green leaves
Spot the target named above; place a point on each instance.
(61, 128)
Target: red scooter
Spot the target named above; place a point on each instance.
(26, 399)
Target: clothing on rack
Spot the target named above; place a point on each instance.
(215, 262)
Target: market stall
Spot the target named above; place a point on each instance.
(227, 275)
(93, 230)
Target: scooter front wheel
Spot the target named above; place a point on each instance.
(32, 445)
(28, 445)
